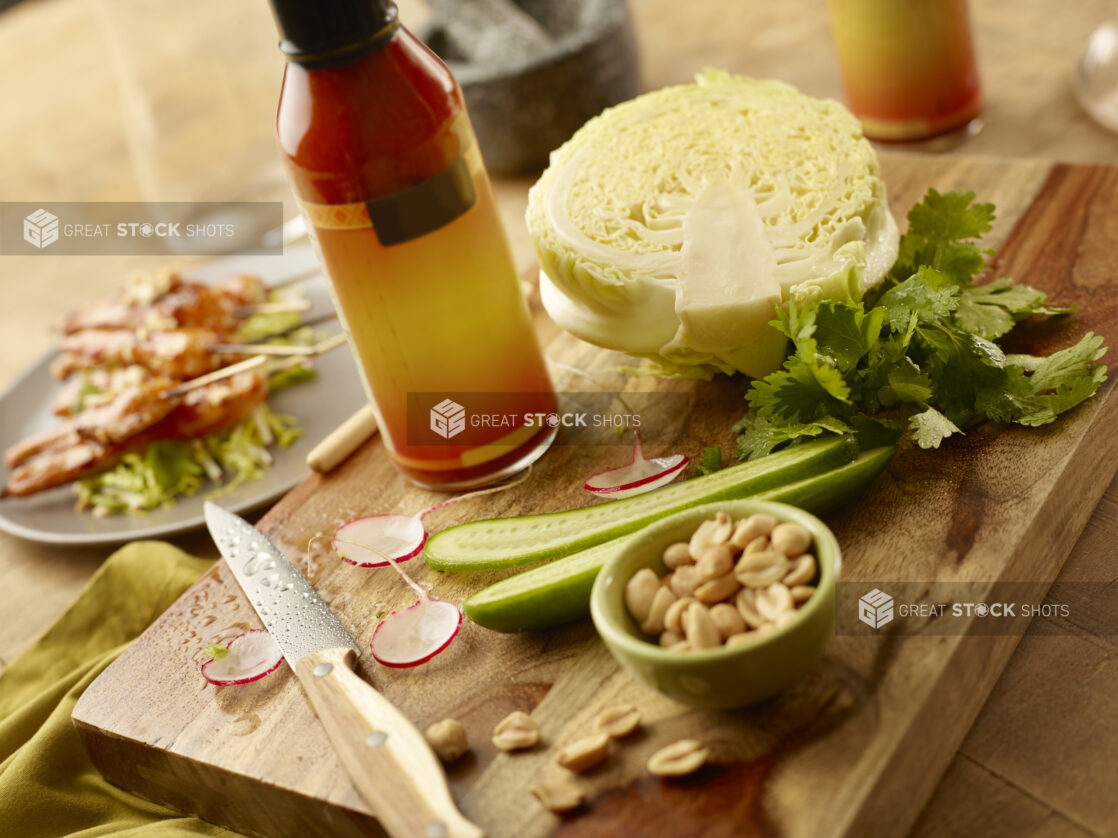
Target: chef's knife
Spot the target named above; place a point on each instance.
(388, 760)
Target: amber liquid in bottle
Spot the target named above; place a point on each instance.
(385, 165)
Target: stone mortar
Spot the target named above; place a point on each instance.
(533, 71)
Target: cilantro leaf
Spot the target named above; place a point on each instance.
(939, 232)
(931, 427)
(758, 436)
(923, 342)
(796, 393)
(992, 309)
(845, 332)
(988, 321)
(809, 379)
(709, 461)
(950, 217)
(905, 383)
(928, 294)
(1068, 365)
(1061, 381)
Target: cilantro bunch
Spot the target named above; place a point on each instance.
(920, 351)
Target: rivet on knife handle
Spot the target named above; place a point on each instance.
(387, 758)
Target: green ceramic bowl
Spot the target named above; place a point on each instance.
(717, 678)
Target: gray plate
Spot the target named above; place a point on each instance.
(319, 405)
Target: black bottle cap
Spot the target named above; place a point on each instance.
(321, 33)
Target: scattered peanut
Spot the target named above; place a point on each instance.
(784, 619)
(685, 580)
(654, 624)
(727, 620)
(759, 570)
(447, 739)
(585, 753)
(751, 528)
(677, 555)
(559, 795)
(717, 590)
(516, 732)
(619, 721)
(801, 593)
(673, 620)
(729, 584)
(746, 601)
(802, 572)
(774, 601)
(791, 539)
(678, 759)
(715, 561)
(717, 531)
(639, 592)
(740, 639)
(757, 545)
(699, 627)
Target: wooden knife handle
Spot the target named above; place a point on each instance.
(387, 758)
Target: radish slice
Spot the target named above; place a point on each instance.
(380, 540)
(249, 657)
(641, 475)
(415, 635)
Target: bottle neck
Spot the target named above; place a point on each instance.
(318, 35)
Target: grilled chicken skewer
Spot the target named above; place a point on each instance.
(167, 301)
(96, 386)
(205, 410)
(180, 353)
(133, 410)
(155, 358)
(159, 410)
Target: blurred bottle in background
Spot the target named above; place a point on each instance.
(908, 66)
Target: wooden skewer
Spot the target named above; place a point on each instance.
(260, 349)
(296, 278)
(279, 307)
(217, 375)
(259, 358)
(271, 349)
(314, 321)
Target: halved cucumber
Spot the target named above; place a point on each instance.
(559, 592)
(512, 542)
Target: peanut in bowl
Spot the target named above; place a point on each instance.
(716, 674)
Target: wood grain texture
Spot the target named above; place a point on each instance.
(854, 749)
(1041, 752)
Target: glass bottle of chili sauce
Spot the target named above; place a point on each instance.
(387, 171)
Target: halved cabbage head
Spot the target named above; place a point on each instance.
(673, 225)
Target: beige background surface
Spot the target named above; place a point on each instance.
(145, 99)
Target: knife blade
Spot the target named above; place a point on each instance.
(387, 758)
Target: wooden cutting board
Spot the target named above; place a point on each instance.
(855, 749)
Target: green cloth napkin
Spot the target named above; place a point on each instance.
(48, 787)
